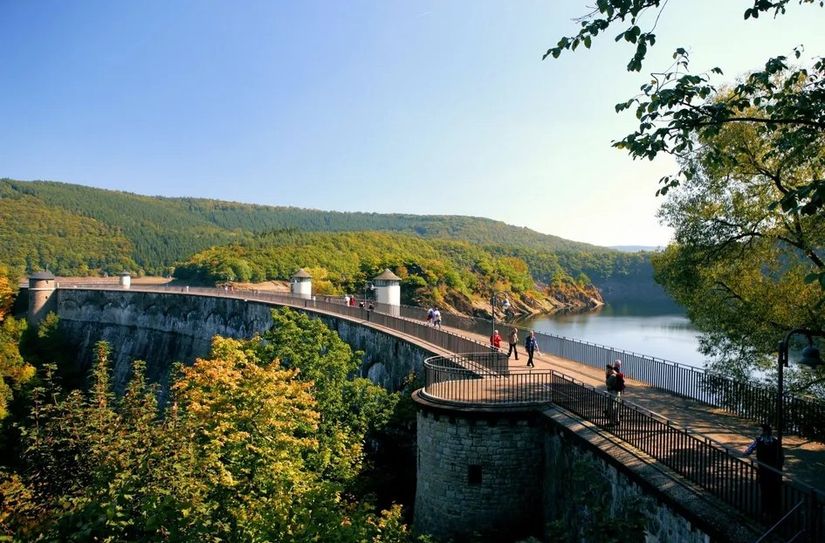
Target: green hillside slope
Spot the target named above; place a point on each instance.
(448, 273)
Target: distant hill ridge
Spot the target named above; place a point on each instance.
(124, 209)
(75, 229)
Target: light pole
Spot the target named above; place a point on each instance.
(505, 304)
(810, 358)
(367, 286)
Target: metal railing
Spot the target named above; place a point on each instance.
(787, 509)
(753, 401)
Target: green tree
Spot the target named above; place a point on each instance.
(739, 264)
(748, 212)
(14, 370)
(234, 457)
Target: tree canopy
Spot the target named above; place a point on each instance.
(748, 202)
(249, 448)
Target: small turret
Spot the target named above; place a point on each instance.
(301, 284)
(41, 300)
(125, 279)
(388, 291)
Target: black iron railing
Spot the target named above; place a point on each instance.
(797, 512)
(754, 401)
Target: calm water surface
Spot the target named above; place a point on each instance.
(661, 330)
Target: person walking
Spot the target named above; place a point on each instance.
(619, 385)
(531, 345)
(513, 340)
(495, 341)
(769, 471)
(610, 383)
(437, 318)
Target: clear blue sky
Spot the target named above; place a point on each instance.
(418, 106)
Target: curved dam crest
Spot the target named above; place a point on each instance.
(163, 328)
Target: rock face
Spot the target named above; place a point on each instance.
(162, 328)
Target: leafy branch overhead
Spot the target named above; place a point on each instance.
(675, 108)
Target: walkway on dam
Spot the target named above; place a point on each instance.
(804, 459)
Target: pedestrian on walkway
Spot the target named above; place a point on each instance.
(611, 413)
(769, 470)
(437, 318)
(495, 341)
(513, 340)
(531, 345)
(619, 385)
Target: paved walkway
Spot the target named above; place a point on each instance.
(804, 459)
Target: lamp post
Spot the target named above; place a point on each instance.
(367, 286)
(810, 358)
(505, 304)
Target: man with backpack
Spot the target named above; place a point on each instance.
(769, 471)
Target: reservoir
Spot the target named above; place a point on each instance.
(658, 329)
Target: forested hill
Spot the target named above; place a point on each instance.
(73, 229)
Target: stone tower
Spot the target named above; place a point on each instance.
(41, 296)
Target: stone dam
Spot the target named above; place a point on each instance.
(483, 474)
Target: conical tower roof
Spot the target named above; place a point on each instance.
(386, 275)
(301, 274)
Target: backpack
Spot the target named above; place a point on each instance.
(769, 451)
(619, 381)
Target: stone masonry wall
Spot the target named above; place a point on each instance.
(478, 479)
(587, 499)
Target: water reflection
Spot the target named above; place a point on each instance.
(658, 329)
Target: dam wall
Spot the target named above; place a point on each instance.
(163, 328)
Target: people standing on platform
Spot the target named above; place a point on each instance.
(495, 341)
(531, 345)
(513, 340)
(346, 300)
(769, 471)
(430, 317)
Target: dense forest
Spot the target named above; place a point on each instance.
(77, 230)
(450, 273)
(266, 439)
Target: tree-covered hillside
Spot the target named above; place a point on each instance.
(72, 229)
(451, 273)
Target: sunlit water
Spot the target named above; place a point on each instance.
(660, 330)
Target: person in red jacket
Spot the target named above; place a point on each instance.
(495, 340)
